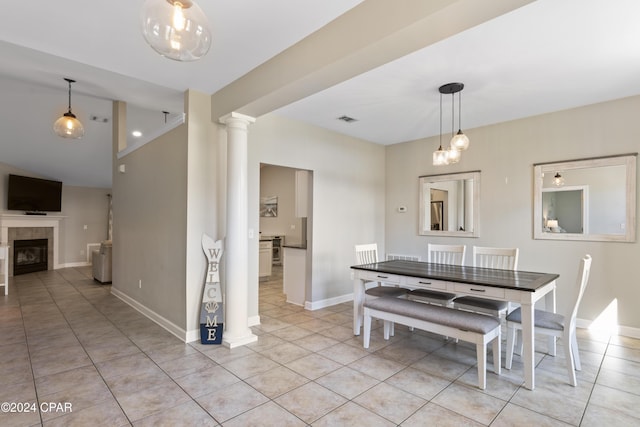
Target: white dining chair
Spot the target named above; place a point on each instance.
(368, 254)
(555, 324)
(441, 254)
(499, 258)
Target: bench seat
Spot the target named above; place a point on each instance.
(463, 325)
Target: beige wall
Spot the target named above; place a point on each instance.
(163, 203)
(150, 224)
(505, 154)
(348, 197)
(80, 206)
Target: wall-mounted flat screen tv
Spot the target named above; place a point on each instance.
(34, 194)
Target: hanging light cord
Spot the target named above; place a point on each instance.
(453, 116)
(440, 122)
(460, 110)
(70, 81)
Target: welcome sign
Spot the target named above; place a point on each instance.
(211, 312)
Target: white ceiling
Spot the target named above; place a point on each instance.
(546, 56)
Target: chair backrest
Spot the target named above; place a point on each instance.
(367, 254)
(499, 258)
(578, 290)
(446, 254)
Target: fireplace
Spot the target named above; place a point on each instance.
(30, 255)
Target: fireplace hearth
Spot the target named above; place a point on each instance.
(30, 256)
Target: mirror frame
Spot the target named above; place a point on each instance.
(424, 179)
(627, 160)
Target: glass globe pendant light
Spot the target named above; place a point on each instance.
(440, 156)
(460, 141)
(176, 29)
(68, 126)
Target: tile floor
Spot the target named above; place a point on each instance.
(65, 340)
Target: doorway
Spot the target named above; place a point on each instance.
(282, 195)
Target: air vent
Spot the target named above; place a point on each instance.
(99, 119)
(347, 119)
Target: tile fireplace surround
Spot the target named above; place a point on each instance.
(16, 226)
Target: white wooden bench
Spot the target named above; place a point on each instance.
(463, 325)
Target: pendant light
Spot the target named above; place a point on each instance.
(176, 29)
(558, 180)
(68, 126)
(460, 141)
(440, 156)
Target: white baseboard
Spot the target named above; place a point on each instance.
(74, 264)
(152, 315)
(193, 335)
(626, 331)
(316, 305)
(254, 320)
(186, 336)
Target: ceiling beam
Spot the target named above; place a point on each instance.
(371, 34)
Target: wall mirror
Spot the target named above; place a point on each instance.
(449, 204)
(588, 199)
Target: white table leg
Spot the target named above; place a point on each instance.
(358, 301)
(528, 344)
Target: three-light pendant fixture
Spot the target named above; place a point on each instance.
(459, 141)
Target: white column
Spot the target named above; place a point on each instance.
(237, 331)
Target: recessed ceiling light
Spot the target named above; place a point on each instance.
(347, 119)
(136, 133)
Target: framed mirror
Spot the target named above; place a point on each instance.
(449, 204)
(587, 199)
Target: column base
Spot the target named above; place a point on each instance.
(233, 342)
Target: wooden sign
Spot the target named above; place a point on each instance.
(212, 313)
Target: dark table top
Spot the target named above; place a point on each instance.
(508, 279)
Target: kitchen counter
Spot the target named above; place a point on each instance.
(295, 246)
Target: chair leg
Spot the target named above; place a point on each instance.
(481, 352)
(568, 354)
(574, 348)
(387, 329)
(511, 342)
(520, 342)
(367, 330)
(497, 356)
(392, 329)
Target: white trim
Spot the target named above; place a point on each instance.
(192, 335)
(316, 305)
(75, 264)
(626, 331)
(8, 220)
(152, 315)
(254, 320)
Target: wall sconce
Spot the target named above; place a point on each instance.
(558, 180)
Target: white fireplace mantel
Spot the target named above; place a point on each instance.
(8, 220)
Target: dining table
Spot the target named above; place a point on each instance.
(521, 287)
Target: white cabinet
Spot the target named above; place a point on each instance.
(265, 255)
(302, 194)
